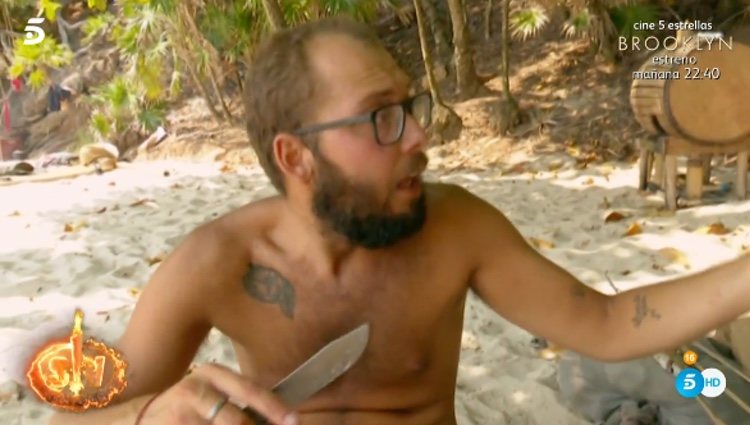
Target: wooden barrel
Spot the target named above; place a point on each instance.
(706, 100)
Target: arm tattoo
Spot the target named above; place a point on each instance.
(268, 286)
(642, 310)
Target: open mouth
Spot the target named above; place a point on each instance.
(409, 183)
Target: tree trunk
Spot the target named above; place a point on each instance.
(604, 29)
(219, 94)
(274, 14)
(466, 76)
(442, 45)
(488, 20)
(510, 110)
(204, 92)
(446, 124)
(314, 10)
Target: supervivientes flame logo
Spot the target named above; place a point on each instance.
(77, 375)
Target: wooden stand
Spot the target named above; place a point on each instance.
(660, 158)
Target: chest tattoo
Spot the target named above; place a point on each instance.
(268, 286)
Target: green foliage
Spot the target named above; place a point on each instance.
(48, 53)
(100, 5)
(37, 78)
(49, 7)
(151, 116)
(578, 23)
(527, 22)
(96, 25)
(115, 105)
(229, 28)
(161, 42)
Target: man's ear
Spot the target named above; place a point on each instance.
(293, 157)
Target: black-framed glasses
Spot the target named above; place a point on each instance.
(387, 121)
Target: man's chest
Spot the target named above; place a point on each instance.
(278, 319)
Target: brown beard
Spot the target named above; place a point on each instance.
(351, 210)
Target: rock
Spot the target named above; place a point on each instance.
(56, 131)
(35, 106)
(23, 169)
(103, 155)
(73, 83)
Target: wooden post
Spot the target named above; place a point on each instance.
(670, 186)
(694, 178)
(742, 158)
(644, 169)
(706, 169)
(659, 169)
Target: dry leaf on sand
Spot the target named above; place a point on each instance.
(633, 230)
(14, 214)
(141, 202)
(69, 228)
(674, 255)
(717, 228)
(589, 181)
(134, 292)
(541, 243)
(614, 216)
(155, 259)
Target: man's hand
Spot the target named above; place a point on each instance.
(194, 399)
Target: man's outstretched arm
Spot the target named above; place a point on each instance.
(528, 289)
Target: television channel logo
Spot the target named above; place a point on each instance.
(34, 33)
(691, 383)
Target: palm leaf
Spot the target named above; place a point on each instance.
(37, 79)
(100, 123)
(578, 24)
(527, 22)
(100, 5)
(49, 8)
(151, 116)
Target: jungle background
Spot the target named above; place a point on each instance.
(533, 75)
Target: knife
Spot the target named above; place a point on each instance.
(321, 369)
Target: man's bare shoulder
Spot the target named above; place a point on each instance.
(454, 199)
(220, 245)
(456, 209)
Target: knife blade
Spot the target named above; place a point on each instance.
(321, 369)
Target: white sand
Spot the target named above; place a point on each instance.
(46, 272)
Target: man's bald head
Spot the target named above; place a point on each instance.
(282, 83)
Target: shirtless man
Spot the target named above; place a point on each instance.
(355, 237)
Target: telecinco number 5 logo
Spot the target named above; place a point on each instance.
(691, 383)
(34, 33)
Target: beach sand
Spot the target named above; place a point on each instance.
(92, 241)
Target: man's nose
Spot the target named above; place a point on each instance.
(415, 137)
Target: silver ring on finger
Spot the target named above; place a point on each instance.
(215, 409)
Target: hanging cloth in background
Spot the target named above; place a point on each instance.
(17, 84)
(6, 114)
(56, 95)
(54, 98)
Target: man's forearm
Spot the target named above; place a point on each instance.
(120, 414)
(660, 317)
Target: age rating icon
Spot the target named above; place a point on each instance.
(77, 375)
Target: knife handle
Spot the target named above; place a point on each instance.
(256, 417)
